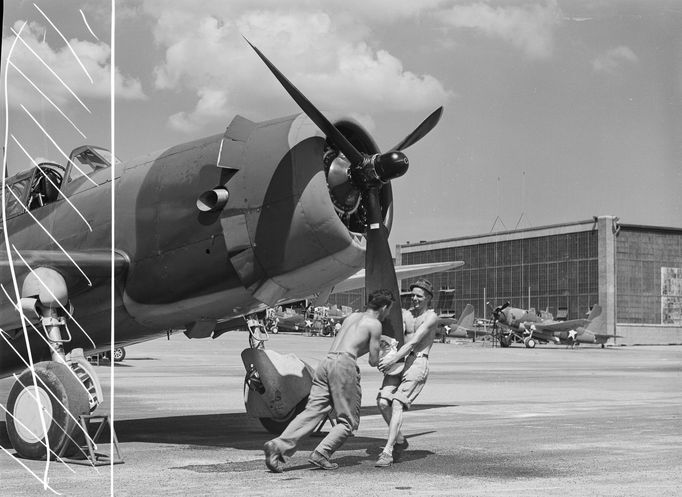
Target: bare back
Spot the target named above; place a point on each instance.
(359, 334)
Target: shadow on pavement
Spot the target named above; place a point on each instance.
(236, 430)
(230, 430)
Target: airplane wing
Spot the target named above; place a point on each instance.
(96, 264)
(358, 279)
(80, 270)
(352, 283)
(461, 332)
(573, 324)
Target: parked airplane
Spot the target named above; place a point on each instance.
(320, 320)
(460, 328)
(206, 232)
(530, 327)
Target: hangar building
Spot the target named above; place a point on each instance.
(633, 271)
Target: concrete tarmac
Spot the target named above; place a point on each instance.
(548, 421)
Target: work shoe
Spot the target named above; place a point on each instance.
(385, 460)
(399, 450)
(273, 457)
(320, 461)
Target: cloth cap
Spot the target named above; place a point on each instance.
(424, 284)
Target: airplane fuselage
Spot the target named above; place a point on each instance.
(277, 237)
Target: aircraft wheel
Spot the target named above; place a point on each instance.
(530, 343)
(119, 354)
(62, 397)
(274, 330)
(277, 426)
(505, 341)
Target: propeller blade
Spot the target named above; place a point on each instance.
(330, 131)
(373, 206)
(421, 131)
(380, 273)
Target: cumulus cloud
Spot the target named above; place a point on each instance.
(357, 11)
(530, 28)
(212, 106)
(614, 58)
(95, 58)
(328, 57)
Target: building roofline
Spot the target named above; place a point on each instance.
(644, 227)
(592, 223)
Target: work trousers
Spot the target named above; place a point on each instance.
(336, 384)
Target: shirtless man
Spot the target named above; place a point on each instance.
(336, 384)
(398, 391)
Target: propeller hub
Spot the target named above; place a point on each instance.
(390, 165)
(379, 169)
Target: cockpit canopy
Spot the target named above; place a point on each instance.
(88, 159)
(41, 185)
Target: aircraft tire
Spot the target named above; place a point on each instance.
(119, 354)
(277, 426)
(505, 341)
(63, 399)
(530, 343)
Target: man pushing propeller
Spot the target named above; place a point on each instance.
(368, 174)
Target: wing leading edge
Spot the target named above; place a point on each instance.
(80, 270)
(408, 271)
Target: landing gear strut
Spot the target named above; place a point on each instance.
(45, 403)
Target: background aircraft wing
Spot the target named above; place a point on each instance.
(573, 324)
(408, 271)
(461, 332)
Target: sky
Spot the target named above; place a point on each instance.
(555, 111)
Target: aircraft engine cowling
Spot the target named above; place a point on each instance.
(273, 221)
(308, 228)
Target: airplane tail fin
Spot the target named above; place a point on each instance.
(595, 314)
(466, 319)
(596, 324)
(595, 331)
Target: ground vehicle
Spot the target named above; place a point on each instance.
(119, 355)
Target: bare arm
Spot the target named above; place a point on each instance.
(430, 321)
(374, 343)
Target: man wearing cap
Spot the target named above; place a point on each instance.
(398, 391)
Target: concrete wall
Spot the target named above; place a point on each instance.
(640, 256)
(606, 226)
(643, 334)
